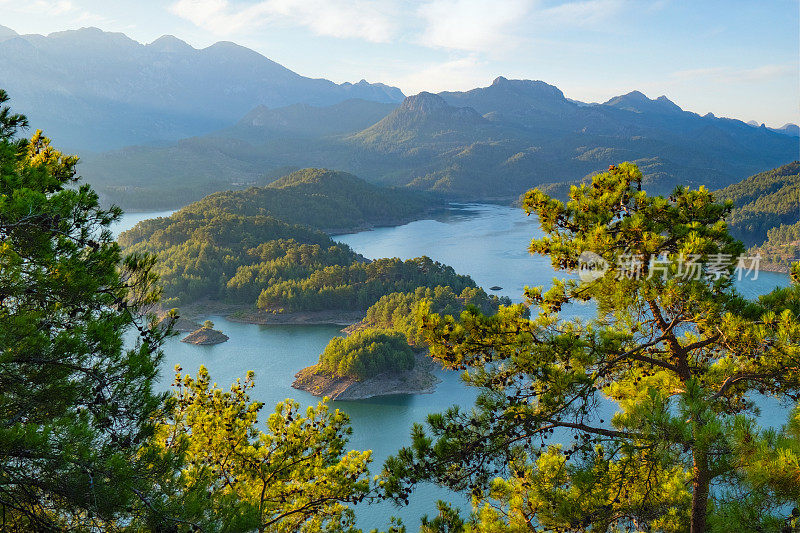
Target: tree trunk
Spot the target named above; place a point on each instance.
(700, 487)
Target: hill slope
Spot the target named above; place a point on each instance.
(323, 199)
(257, 263)
(763, 202)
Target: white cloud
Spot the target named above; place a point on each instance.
(473, 25)
(374, 21)
(62, 10)
(39, 7)
(452, 75)
(580, 13)
(734, 75)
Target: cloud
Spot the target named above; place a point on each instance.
(472, 25)
(734, 75)
(63, 10)
(499, 27)
(452, 75)
(52, 8)
(374, 21)
(580, 13)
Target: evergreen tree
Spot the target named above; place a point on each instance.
(75, 401)
(625, 421)
(294, 476)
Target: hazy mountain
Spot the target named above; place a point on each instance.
(789, 129)
(7, 33)
(95, 90)
(513, 135)
(639, 103)
(304, 120)
(424, 118)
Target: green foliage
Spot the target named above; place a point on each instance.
(782, 247)
(402, 311)
(447, 521)
(764, 201)
(676, 358)
(320, 198)
(259, 260)
(365, 354)
(208, 324)
(292, 476)
(75, 400)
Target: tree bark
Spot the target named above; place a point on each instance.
(700, 487)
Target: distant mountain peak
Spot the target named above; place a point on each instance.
(633, 96)
(90, 36)
(638, 102)
(6, 33)
(790, 129)
(424, 102)
(100, 90)
(170, 43)
(538, 86)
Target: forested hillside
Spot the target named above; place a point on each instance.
(323, 199)
(231, 247)
(763, 202)
(782, 247)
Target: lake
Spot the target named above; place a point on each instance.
(487, 242)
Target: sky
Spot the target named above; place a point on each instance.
(733, 58)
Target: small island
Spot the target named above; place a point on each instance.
(206, 335)
(368, 363)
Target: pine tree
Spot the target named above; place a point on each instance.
(624, 421)
(296, 475)
(77, 356)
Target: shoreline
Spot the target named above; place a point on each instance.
(418, 380)
(243, 314)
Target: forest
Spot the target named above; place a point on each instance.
(365, 354)
(209, 253)
(323, 199)
(763, 201)
(401, 311)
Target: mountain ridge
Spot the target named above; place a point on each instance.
(440, 144)
(97, 90)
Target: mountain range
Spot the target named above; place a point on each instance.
(227, 117)
(489, 144)
(96, 90)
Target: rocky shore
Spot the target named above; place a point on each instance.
(419, 380)
(205, 337)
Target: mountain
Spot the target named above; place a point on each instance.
(7, 33)
(789, 129)
(764, 201)
(424, 118)
(304, 120)
(95, 90)
(639, 103)
(489, 144)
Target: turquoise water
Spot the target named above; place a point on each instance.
(129, 220)
(487, 242)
